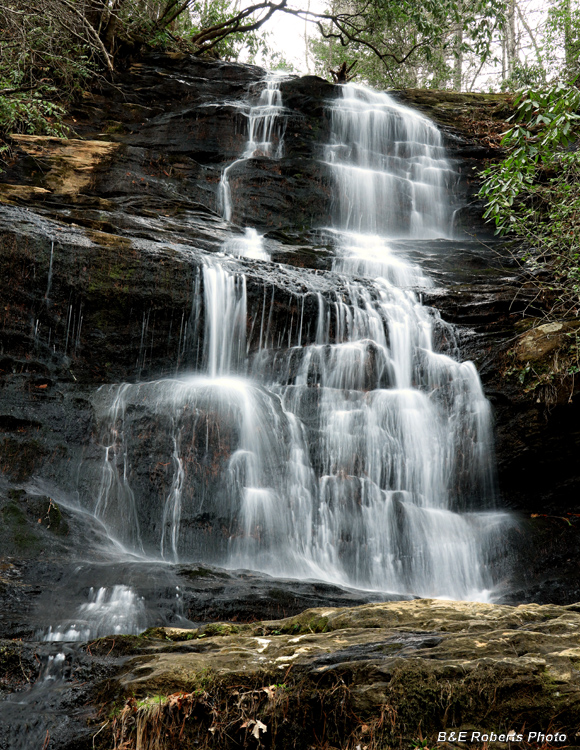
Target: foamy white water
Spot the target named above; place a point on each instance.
(265, 136)
(364, 458)
(108, 611)
(390, 167)
(248, 245)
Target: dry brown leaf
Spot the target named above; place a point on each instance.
(259, 727)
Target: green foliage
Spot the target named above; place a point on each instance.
(534, 193)
(31, 113)
(544, 122)
(277, 61)
(43, 65)
(525, 75)
(420, 745)
(562, 35)
(149, 23)
(416, 39)
(206, 14)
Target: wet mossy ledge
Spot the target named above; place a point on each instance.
(379, 676)
(482, 116)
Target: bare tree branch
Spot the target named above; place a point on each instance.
(531, 35)
(18, 90)
(342, 21)
(177, 13)
(92, 32)
(350, 27)
(233, 25)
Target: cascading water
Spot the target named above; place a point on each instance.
(107, 612)
(250, 245)
(265, 136)
(389, 166)
(364, 458)
(30, 718)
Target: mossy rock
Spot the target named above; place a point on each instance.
(18, 529)
(30, 523)
(18, 666)
(545, 359)
(380, 675)
(120, 645)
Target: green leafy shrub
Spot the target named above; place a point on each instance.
(534, 192)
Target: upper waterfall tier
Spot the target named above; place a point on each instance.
(265, 136)
(392, 175)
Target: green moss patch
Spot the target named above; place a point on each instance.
(380, 677)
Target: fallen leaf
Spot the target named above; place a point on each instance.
(259, 728)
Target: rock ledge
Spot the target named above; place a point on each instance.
(375, 676)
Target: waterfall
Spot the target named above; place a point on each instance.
(107, 612)
(364, 458)
(389, 167)
(265, 136)
(249, 245)
(225, 319)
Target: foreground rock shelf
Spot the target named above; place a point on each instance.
(375, 676)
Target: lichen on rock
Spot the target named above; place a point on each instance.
(379, 675)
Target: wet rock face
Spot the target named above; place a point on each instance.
(105, 245)
(370, 673)
(85, 305)
(175, 126)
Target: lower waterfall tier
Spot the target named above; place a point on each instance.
(359, 497)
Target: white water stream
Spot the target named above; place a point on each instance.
(390, 167)
(364, 458)
(108, 611)
(265, 136)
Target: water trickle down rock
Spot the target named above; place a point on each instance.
(265, 136)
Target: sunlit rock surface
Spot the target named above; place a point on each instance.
(375, 673)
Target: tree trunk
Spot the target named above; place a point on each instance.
(511, 39)
(306, 55)
(568, 40)
(458, 54)
(109, 33)
(503, 58)
(95, 13)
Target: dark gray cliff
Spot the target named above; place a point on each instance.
(102, 245)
